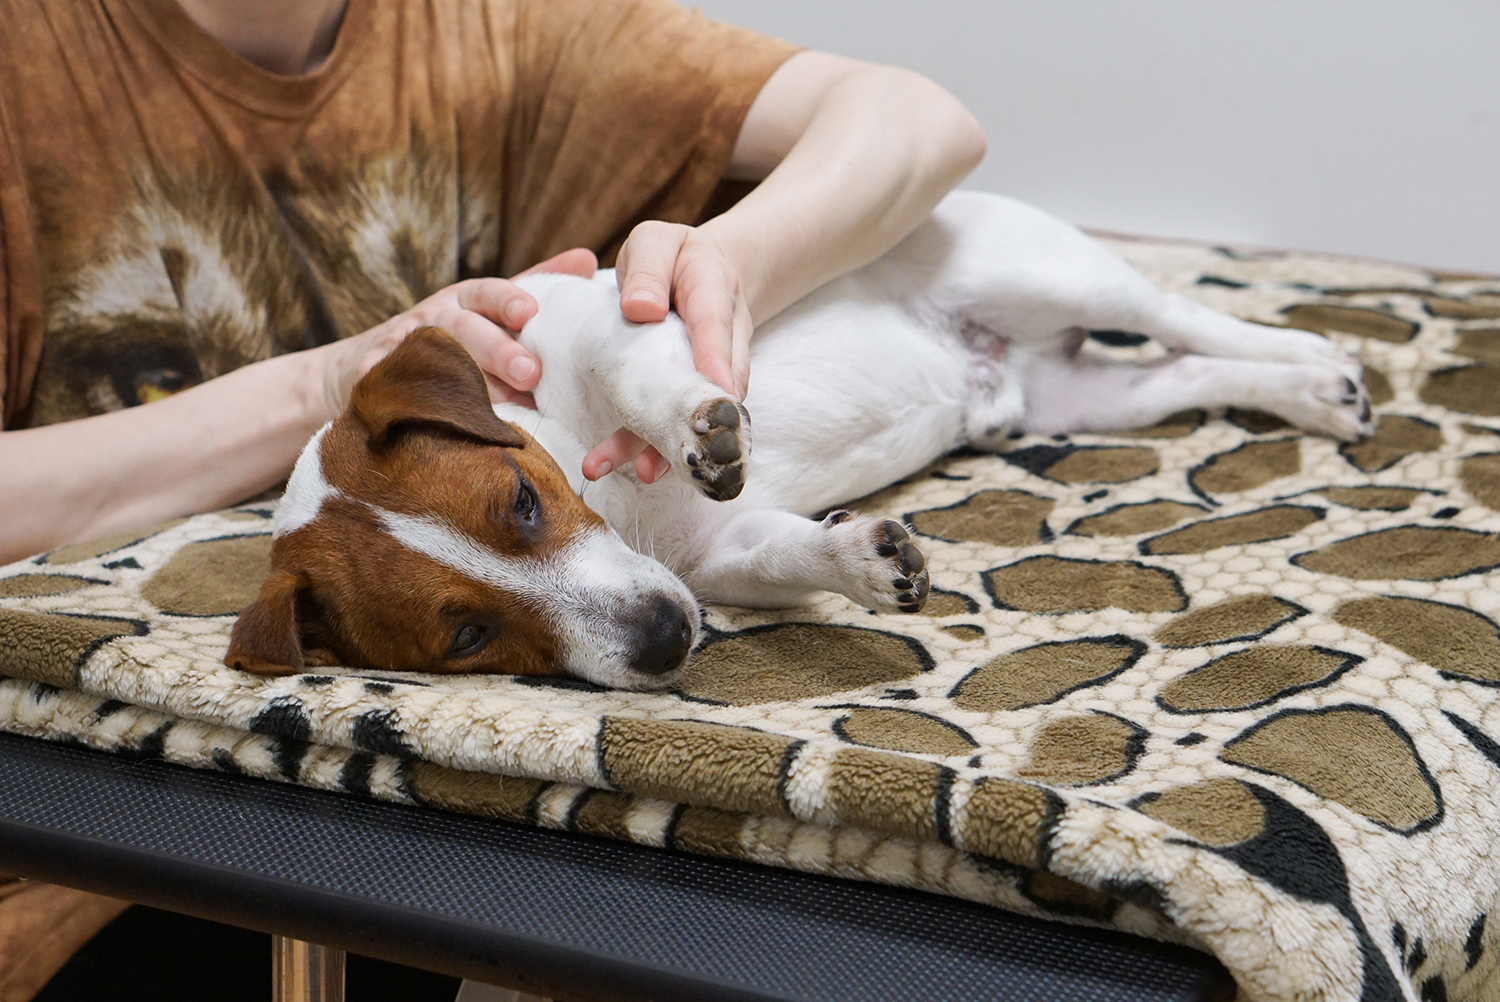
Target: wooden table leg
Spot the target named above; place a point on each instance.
(305, 972)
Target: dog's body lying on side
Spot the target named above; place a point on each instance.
(424, 531)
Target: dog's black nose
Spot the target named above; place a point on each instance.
(664, 637)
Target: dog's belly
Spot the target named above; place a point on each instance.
(849, 394)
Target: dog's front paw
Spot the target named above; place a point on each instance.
(883, 568)
(716, 448)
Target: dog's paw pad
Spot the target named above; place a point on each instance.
(715, 455)
(886, 570)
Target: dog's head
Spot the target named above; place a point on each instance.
(419, 532)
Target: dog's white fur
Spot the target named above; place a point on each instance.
(966, 331)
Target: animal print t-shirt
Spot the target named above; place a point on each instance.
(169, 211)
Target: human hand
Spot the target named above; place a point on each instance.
(482, 313)
(667, 265)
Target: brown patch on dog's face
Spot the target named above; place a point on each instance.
(512, 501)
(419, 440)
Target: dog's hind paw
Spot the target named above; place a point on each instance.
(716, 449)
(883, 568)
(1331, 401)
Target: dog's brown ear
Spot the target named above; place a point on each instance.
(266, 639)
(430, 380)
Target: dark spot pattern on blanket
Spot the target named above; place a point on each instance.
(1044, 673)
(1247, 467)
(1322, 318)
(214, 577)
(1004, 518)
(1072, 464)
(1134, 519)
(1276, 522)
(1254, 677)
(1085, 750)
(1061, 584)
(1395, 438)
(1470, 389)
(1417, 553)
(1315, 749)
(1459, 642)
(904, 731)
(1244, 617)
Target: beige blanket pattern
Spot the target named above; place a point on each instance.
(1215, 682)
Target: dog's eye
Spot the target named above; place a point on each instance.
(526, 503)
(469, 639)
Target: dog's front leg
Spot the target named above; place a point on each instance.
(646, 373)
(772, 559)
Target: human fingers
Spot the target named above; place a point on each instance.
(502, 394)
(645, 269)
(495, 349)
(739, 364)
(578, 261)
(499, 300)
(708, 300)
(620, 448)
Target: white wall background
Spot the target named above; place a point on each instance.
(1360, 126)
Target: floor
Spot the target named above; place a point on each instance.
(148, 955)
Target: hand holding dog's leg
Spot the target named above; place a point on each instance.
(850, 158)
(482, 313)
(647, 375)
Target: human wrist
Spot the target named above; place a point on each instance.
(323, 379)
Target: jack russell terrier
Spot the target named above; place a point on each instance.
(425, 530)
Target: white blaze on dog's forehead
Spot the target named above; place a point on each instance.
(593, 560)
(306, 489)
(452, 548)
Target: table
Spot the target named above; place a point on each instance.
(557, 914)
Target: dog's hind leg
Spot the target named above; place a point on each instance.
(771, 559)
(1072, 394)
(1181, 324)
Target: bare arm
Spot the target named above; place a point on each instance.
(232, 437)
(853, 157)
(203, 448)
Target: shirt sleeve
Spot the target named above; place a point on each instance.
(624, 110)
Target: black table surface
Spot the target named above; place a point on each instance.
(558, 914)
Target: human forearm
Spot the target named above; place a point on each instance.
(235, 436)
(874, 155)
(209, 446)
(851, 157)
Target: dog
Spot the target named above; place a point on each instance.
(426, 530)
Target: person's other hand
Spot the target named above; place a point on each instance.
(484, 314)
(663, 266)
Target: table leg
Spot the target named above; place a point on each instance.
(305, 972)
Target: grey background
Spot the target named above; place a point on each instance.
(1359, 126)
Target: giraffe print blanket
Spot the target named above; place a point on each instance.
(1213, 682)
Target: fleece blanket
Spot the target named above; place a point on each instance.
(1214, 682)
